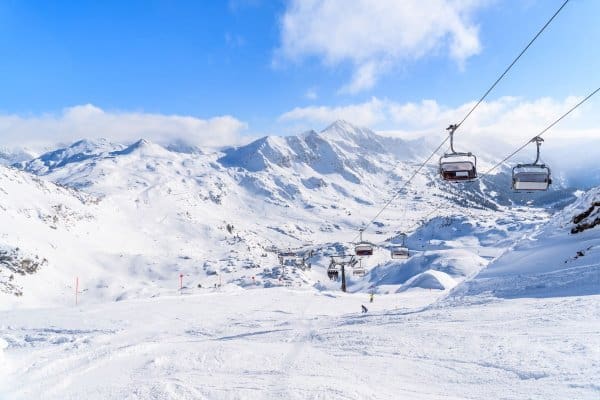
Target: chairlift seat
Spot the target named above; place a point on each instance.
(531, 178)
(455, 166)
(400, 253)
(364, 249)
(458, 167)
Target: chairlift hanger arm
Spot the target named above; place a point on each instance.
(538, 142)
(451, 129)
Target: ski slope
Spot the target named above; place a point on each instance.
(304, 344)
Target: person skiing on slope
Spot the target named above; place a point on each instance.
(364, 309)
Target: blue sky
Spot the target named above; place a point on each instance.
(207, 59)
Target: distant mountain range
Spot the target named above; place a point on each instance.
(128, 218)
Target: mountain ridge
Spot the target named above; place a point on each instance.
(211, 217)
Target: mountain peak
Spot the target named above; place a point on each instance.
(341, 124)
(349, 138)
(89, 143)
(344, 130)
(87, 149)
(75, 152)
(142, 146)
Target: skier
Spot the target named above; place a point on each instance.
(364, 309)
(371, 298)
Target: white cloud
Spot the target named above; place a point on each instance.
(363, 78)
(375, 35)
(507, 118)
(88, 121)
(366, 114)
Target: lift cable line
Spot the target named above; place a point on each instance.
(542, 132)
(386, 205)
(395, 196)
(511, 64)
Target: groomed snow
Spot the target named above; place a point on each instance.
(302, 344)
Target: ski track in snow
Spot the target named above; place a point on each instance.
(301, 344)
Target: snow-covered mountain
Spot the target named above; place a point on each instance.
(340, 149)
(42, 225)
(75, 153)
(157, 212)
(127, 224)
(14, 156)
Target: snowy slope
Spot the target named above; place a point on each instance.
(555, 260)
(302, 344)
(40, 222)
(116, 249)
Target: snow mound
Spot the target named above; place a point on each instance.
(429, 279)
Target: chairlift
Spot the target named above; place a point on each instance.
(333, 272)
(358, 270)
(456, 166)
(363, 248)
(531, 177)
(400, 252)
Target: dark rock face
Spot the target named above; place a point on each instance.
(587, 219)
